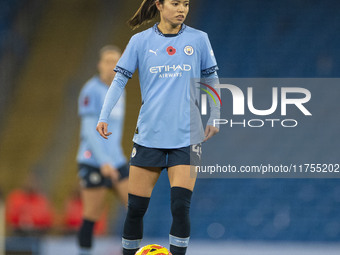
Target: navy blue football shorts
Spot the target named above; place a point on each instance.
(153, 157)
(91, 177)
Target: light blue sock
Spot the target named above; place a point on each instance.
(85, 251)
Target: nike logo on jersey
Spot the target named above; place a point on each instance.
(155, 52)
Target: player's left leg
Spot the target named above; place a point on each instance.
(182, 185)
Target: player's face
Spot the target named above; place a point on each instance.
(107, 63)
(174, 11)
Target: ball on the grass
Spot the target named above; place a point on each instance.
(153, 249)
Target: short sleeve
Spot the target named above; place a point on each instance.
(208, 61)
(128, 62)
(88, 103)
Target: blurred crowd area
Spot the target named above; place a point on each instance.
(30, 213)
(48, 49)
(40, 196)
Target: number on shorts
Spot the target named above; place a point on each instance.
(197, 148)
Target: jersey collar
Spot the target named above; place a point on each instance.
(155, 27)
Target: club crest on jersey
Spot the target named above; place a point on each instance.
(189, 50)
(134, 152)
(171, 50)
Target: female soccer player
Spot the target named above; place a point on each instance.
(167, 56)
(102, 165)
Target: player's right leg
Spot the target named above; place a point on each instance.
(141, 183)
(142, 179)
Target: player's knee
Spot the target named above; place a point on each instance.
(180, 202)
(180, 208)
(137, 206)
(92, 213)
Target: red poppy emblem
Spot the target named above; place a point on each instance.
(171, 50)
(86, 101)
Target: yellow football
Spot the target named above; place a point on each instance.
(153, 249)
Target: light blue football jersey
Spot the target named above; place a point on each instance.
(166, 65)
(93, 149)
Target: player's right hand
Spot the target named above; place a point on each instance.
(102, 130)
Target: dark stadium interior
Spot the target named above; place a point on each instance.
(48, 49)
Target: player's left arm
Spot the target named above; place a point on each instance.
(209, 70)
(215, 109)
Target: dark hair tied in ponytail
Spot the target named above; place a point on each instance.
(146, 12)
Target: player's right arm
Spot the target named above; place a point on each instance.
(126, 66)
(112, 96)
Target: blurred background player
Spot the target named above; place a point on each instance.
(102, 165)
(73, 216)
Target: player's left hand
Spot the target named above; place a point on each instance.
(210, 131)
